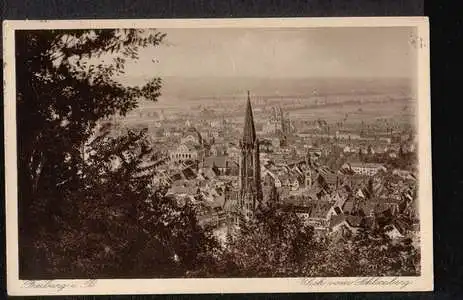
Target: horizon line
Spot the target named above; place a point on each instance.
(269, 77)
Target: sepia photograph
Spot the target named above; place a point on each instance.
(257, 151)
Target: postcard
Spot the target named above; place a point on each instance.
(218, 156)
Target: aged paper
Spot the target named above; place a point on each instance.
(218, 156)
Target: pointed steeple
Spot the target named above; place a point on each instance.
(249, 132)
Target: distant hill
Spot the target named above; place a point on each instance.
(185, 88)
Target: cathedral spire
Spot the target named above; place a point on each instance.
(250, 196)
(249, 132)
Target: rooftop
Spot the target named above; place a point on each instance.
(365, 165)
(218, 161)
(354, 221)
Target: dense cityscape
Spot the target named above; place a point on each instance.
(337, 176)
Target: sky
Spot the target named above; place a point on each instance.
(280, 53)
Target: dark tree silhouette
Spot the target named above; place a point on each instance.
(82, 193)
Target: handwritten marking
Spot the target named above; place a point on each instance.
(58, 286)
(378, 281)
(417, 41)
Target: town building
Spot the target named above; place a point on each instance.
(221, 165)
(345, 224)
(192, 135)
(276, 122)
(188, 151)
(218, 150)
(368, 169)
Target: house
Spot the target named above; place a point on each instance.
(339, 197)
(314, 213)
(207, 174)
(266, 146)
(368, 169)
(267, 179)
(218, 150)
(215, 132)
(183, 188)
(189, 173)
(315, 152)
(409, 147)
(346, 224)
(385, 139)
(347, 136)
(393, 204)
(233, 152)
(348, 149)
(334, 210)
(372, 207)
(348, 205)
(296, 181)
(393, 150)
(186, 151)
(285, 179)
(403, 174)
(378, 149)
(328, 177)
(364, 150)
(393, 231)
(270, 179)
(290, 179)
(314, 193)
(213, 219)
(192, 135)
(222, 165)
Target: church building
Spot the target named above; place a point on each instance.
(250, 195)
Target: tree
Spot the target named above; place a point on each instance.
(272, 244)
(84, 194)
(368, 253)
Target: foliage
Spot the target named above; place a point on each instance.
(271, 244)
(275, 244)
(86, 205)
(368, 253)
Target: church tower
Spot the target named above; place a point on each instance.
(250, 180)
